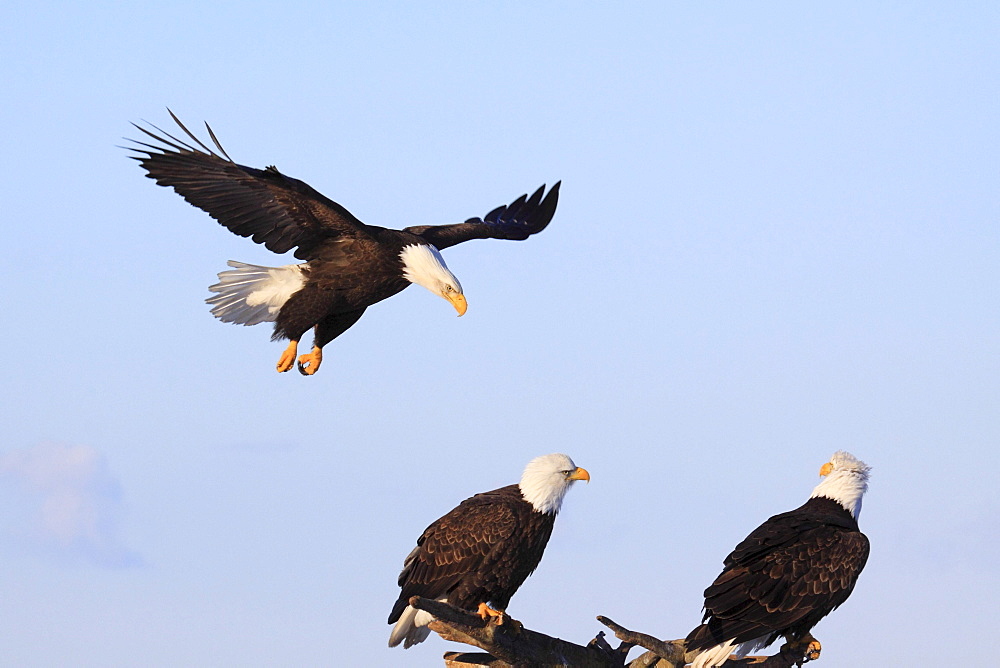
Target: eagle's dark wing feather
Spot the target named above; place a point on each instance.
(460, 549)
(790, 571)
(272, 209)
(516, 221)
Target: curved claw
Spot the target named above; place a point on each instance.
(813, 651)
(309, 363)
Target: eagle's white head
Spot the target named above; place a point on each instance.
(423, 265)
(546, 480)
(845, 481)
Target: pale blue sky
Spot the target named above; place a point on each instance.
(777, 237)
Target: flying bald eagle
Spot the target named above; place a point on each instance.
(790, 572)
(348, 265)
(483, 550)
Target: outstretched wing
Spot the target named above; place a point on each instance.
(516, 221)
(272, 209)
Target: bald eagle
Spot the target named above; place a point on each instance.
(483, 550)
(348, 265)
(790, 572)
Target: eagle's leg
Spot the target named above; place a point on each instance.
(326, 330)
(486, 611)
(309, 363)
(287, 358)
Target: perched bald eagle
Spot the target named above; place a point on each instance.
(483, 550)
(790, 572)
(348, 265)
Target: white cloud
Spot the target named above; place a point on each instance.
(63, 500)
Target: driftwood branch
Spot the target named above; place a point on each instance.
(672, 654)
(508, 644)
(660, 654)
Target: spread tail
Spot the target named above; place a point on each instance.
(250, 294)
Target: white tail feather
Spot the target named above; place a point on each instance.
(713, 656)
(411, 627)
(250, 294)
(718, 655)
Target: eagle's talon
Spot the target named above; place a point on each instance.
(813, 650)
(309, 363)
(486, 612)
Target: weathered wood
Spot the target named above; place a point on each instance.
(672, 654)
(506, 640)
(667, 654)
(472, 660)
(509, 645)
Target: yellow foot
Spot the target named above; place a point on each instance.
(287, 358)
(813, 650)
(486, 611)
(309, 364)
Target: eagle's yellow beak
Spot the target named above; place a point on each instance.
(579, 474)
(458, 301)
(826, 468)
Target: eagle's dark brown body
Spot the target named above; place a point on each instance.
(342, 280)
(790, 572)
(482, 551)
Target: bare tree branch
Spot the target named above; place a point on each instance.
(673, 654)
(667, 654)
(509, 645)
(506, 639)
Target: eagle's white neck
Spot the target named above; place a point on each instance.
(544, 482)
(846, 483)
(423, 265)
